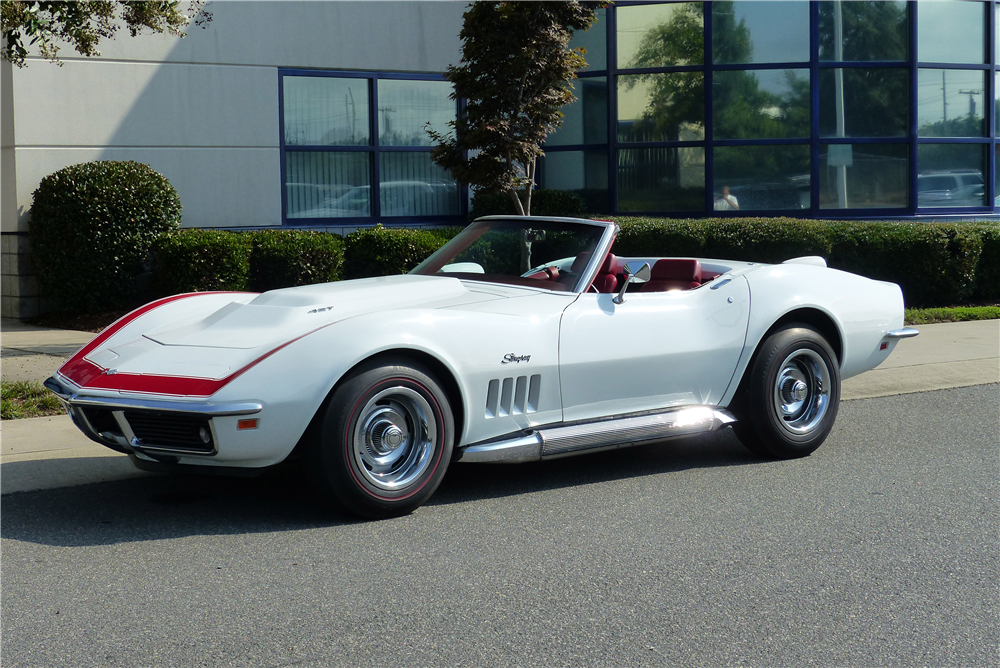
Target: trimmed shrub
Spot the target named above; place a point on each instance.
(934, 263)
(286, 258)
(543, 203)
(201, 260)
(988, 268)
(92, 226)
(381, 251)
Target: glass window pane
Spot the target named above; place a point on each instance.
(760, 31)
(325, 111)
(582, 172)
(951, 175)
(864, 103)
(586, 120)
(661, 35)
(405, 107)
(761, 177)
(661, 179)
(863, 176)
(327, 185)
(594, 42)
(951, 103)
(760, 104)
(412, 185)
(869, 30)
(661, 107)
(951, 31)
(996, 176)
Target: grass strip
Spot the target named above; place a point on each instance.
(927, 316)
(26, 399)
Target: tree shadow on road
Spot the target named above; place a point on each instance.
(165, 507)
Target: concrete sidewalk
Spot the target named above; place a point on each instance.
(49, 452)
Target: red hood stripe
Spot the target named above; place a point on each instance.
(83, 372)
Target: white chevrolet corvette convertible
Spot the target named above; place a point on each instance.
(523, 338)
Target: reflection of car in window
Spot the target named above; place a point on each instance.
(956, 188)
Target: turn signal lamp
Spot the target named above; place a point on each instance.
(247, 424)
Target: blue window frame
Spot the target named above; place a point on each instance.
(354, 150)
(855, 130)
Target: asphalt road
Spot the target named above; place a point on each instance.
(881, 549)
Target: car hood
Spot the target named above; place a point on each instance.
(280, 315)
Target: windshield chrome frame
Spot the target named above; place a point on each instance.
(600, 251)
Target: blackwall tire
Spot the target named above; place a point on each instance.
(384, 441)
(791, 395)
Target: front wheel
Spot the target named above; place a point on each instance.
(791, 395)
(384, 440)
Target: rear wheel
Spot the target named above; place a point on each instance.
(384, 440)
(791, 395)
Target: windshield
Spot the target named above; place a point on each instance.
(536, 253)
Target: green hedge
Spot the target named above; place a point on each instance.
(285, 258)
(934, 263)
(381, 251)
(201, 260)
(92, 226)
(988, 268)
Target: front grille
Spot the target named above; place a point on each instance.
(175, 431)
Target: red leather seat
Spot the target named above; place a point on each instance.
(673, 274)
(606, 280)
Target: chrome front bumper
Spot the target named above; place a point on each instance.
(148, 426)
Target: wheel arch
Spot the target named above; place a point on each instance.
(816, 318)
(449, 384)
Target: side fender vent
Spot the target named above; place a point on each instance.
(513, 396)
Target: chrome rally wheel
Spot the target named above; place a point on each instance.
(802, 391)
(789, 397)
(395, 438)
(384, 440)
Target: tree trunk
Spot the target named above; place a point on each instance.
(518, 207)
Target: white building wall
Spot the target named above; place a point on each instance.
(202, 110)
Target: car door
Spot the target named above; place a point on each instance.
(655, 350)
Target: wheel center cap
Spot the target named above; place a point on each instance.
(386, 437)
(799, 390)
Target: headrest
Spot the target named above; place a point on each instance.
(580, 263)
(610, 264)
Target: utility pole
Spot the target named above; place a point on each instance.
(972, 100)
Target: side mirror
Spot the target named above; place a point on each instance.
(640, 276)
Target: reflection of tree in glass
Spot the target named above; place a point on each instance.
(871, 30)
(678, 98)
(745, 111)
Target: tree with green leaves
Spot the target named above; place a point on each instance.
(84, 24)
(516, 73)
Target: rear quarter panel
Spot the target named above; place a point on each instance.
(863, 311)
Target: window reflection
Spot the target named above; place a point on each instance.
(406, 107)
(867, 102)
(951, 175)
(327, 185)
(326, 111)
(594, 42)
(412, 185)
(585, 120)
(863, 176)
(951, 103)
(661, 107)
(582, 172)
(761, 104)
(869, 30)
(661, 179)
(661, 35)
(951, 31)
(760, 31)
(761, 177)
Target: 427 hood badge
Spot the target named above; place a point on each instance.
(512, 358)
